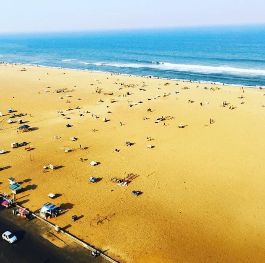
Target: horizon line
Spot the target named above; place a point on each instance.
(136, 29)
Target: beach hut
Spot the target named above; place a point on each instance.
(7, 203)
(22, 212)
(15, 188)
(49, 210)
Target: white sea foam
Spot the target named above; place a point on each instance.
(185, 68)
(68, 60)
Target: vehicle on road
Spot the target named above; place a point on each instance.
(9, 237)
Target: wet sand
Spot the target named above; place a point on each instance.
(202, 186)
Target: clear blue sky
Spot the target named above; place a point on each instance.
(76, 15)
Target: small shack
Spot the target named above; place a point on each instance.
(49, 210)
(22, 212)
(7, 203)
(15, 188)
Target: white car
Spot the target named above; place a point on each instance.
(9, 237)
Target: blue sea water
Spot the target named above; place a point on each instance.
(231, 55)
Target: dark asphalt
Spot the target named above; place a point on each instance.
(32, 248)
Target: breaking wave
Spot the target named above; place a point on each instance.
(203, 69)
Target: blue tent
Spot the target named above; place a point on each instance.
(24, 127)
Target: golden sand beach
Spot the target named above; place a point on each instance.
(195, 151)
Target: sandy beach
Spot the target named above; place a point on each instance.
(195, 151)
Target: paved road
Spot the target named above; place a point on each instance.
(32, 248)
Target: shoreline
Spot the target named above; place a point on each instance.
(133, 75)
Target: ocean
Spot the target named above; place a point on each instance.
(230, 55)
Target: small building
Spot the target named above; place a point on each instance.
(7, 203)
(22, 212)
(15, 188)
(49, 210)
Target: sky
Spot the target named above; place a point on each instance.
(86, 15)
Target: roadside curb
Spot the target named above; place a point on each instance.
(73, 237)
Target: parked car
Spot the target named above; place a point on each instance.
(9, 237)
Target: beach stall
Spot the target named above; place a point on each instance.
(15, 188)
(7, 202)
(22, 212)
(13, 185)
(49, 210)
